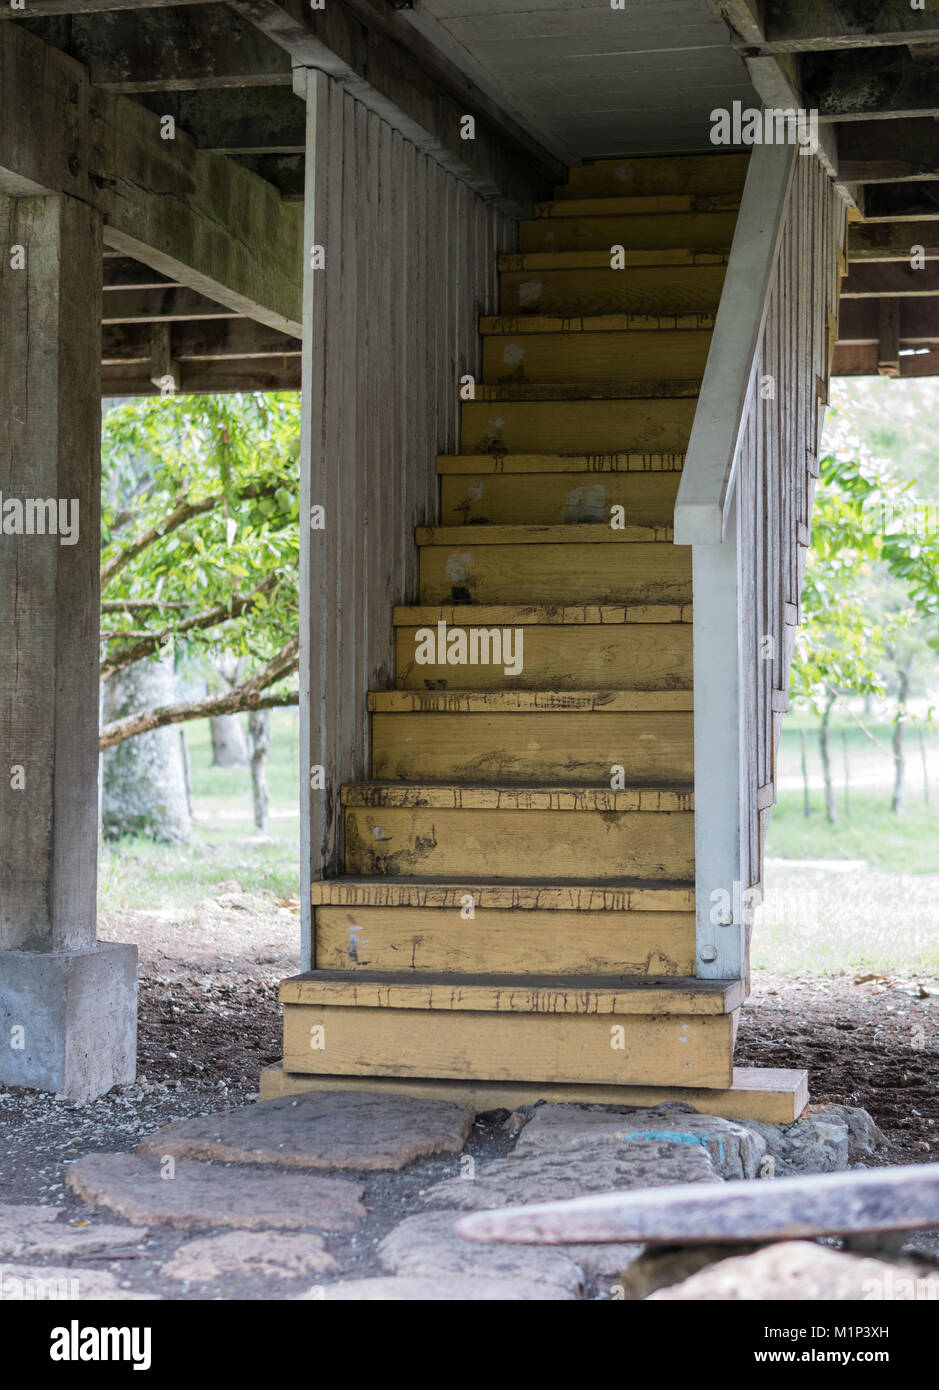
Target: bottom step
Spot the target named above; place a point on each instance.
(774, 1096)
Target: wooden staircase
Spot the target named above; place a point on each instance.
(516, 915)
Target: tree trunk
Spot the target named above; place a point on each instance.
(259, 734)
(899, 730)
(229, 748)
(831, 815)
(143, 781)
(806, 800)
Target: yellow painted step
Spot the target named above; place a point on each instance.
(644, 647)
(632, 1049)
(502, 940)
(557, 498)
(656, 175)
(702, 231)
(638, 203)
(591, 355)
(615, 996)
(775, 1095)
(601, 290)
(530, 746)
(529, 701)
(511, 831)
(652, 424)
(518, 896)
(552, 564)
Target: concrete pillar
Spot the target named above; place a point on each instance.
(67, 1003)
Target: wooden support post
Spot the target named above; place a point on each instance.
(165, 372)
(67, 1006)
(888, 336)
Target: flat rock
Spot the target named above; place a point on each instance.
(202, 1194)
(428, 1247)
(418, 1289)
(268, 1253)
(802, 1271)
(734, 1149)
(824, 1139)
(324, 1129)
(26, 1230)
(54, 1283)
(557, 1175)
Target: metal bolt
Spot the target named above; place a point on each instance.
(708, 953)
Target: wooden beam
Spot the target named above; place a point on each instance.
(794, 26)
(250, 120)
(860, 359)
(287, 172)
(888, 335)
(917, 320)
(214, 340)
(177, 49)
(420, 94)
(873, 279)
(884, 241)
(120, 272)
(155, 306)
(846, 86)
(891, 151)
(82, 7)
(197, 218)
(207, 378)
(892, 202)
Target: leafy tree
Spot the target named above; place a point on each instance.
(200, 541)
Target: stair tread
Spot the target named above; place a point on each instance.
(577, 994)
(637, 203)
(512, 325)
(529, 895)
(575, 533)
(454, 464)
(525, 701)
(507, 796)
(528, 614)
(600, 260)
(638, 388)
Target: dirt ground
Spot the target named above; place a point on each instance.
(209, 1021)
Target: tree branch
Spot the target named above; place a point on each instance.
(247, 696)
(180, 514)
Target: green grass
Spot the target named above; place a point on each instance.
(901, 844)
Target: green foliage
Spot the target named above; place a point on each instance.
(200, 509)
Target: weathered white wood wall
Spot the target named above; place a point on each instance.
(390, 326)
(745, 506)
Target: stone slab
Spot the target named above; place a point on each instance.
(63, 1283)
(26, 1230)
(266, 1253)
(78, 1015)
(825, 1139)
(335, 1129)
(734, 1149)
(880, 1199)
(801, 1271)
(428, 1247)
(202, 1194)
(419, 1289)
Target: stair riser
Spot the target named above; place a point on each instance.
(655, 290)
(638, 656)
(554, 499)
(654, 175)
(667, 1051)
(642, 355)
(519, 844)
(507, 942)
(698, 231)
(549, 748)
(644, 425)
(628, 572)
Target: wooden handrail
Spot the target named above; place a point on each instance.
(704, 496)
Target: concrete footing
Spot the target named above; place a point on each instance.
(68, 1019)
